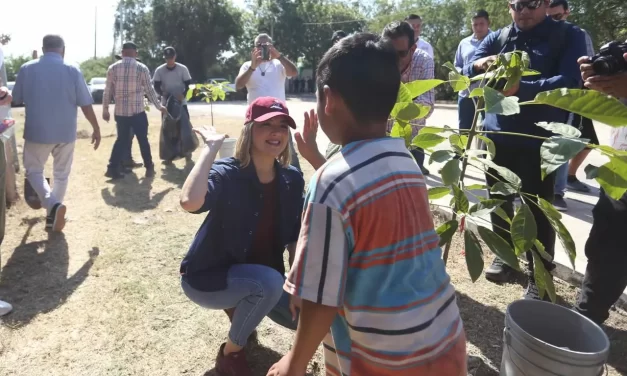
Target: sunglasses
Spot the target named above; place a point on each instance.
(531, 5)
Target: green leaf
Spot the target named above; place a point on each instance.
(560, 128)
(524, 230)
(404, 95)
(457, 81)
(542, 251)
(446, 231)
(427, 140)
(501, 213)
(476, 152)
(459, 141)
(503, 189)
(433, 130)
(461, 201)
(440, 156)
(499, 246)
(189, 95)
(474, 255)
(476, 92)
(526, 72)
(438, 192)
(543, 278)
(451, 172)
(474, 187)
(566, 239)
(485, 207)
(407, 111)
(612, 177)
(489, 145)
(505, 173)
(419, 87)
(558, 150)
(588, 103)
(497, 103)
(549, 210)
(610, 151)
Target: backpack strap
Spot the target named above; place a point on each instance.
(503, 37)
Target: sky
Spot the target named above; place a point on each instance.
(75, 20)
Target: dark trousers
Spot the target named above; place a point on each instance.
(606, 250)
(139, 126)
(465, 112)
(129, 154)
(525, 162)
(419, 156)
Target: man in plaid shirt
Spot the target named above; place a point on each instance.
(128, 80)
(414, 64)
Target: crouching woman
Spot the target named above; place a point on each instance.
(235, 262)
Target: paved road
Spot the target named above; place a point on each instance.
(578, 219)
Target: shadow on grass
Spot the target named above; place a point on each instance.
(133, 194)
(260, 358)
(35, 278)
(484, 329)
(174, 175)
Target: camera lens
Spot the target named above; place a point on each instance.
(605, 65)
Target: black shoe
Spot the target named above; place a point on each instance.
(533, 293)
(150, 172)
(559, 203)
(167, 163)
(114, 175)
(498, 271)
(574, 184)
(55, 221)
(132, 164)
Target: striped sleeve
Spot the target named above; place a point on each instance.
(319, 271)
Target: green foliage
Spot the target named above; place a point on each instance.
(95, 67)
(474, 255)
(13, 65)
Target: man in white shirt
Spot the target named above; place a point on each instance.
(416, 22)
(5, 100)
(264, 76)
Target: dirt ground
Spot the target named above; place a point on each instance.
(104, 298)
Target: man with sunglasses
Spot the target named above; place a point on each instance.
(414, 64)
(566, 175)
(264, 76)
(553, 49)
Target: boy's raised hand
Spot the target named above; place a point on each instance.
(306, 141)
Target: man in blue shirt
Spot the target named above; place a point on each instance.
(534, 32)
(465, 53)
(52, 90)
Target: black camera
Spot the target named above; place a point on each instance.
(610, 59)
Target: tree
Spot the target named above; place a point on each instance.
(133, 21)
(5, 39)
(13, 65)
(95, 67)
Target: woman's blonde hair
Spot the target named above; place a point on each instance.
(245, 144)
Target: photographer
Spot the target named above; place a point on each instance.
(606, 272)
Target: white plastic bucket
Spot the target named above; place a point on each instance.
(545, 339)
(228, 148)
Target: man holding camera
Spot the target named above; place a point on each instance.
(606, 272)
(553, 48)
(264, 76)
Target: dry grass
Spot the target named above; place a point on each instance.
(104, 298)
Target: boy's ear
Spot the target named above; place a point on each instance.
(330, 102)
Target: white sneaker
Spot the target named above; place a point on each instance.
(5, 308)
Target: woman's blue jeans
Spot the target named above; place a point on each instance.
(255, 291)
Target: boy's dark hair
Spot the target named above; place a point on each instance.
(363, 69)
(481, 14)
(337, 35)
(557, 3)
(398, 29)
(413, 17)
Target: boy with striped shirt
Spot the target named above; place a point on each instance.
(368, 265)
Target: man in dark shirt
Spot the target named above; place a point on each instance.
(531, 32)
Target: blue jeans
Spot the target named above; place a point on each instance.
(419, 156)
(255, 291)
(561, 179)
(139, 126)
(466, 112)
(129, 155)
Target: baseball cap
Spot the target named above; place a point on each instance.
(128, 45)
(266, 108)
(169, 52)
